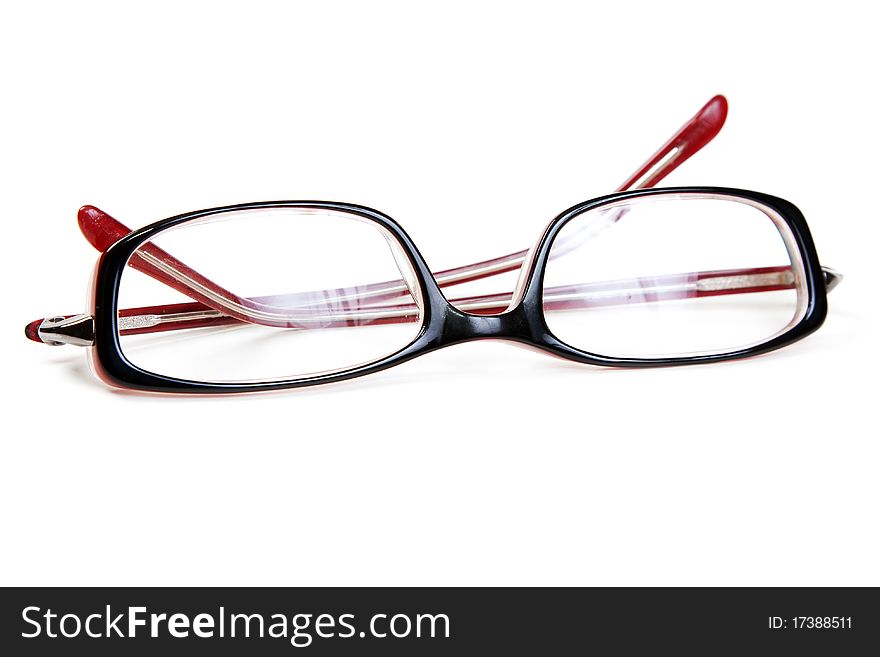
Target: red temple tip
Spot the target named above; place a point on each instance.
(701, 129)
(99, 228)
(689, 139)
(712, 116)
(31, 329)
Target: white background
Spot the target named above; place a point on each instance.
(472, 124)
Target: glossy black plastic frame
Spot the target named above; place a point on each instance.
(442, 323)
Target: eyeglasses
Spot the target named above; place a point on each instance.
(284, 294)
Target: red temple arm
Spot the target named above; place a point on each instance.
(692, 136)
(153, 319)
(689, 139)
(102, 230)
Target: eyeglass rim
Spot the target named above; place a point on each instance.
(810, 319)
(441, 324)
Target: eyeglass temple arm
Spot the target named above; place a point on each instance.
(102, 230)
(668, 287)
(688, 140)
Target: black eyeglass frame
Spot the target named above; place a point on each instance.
(442, 323)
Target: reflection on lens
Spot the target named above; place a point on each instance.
(267, 294)
(673, 275)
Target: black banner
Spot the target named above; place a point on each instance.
(431, 621)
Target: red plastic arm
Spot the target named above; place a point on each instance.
(689, 139)
(668, 287)
(102, 230)
(692, 136)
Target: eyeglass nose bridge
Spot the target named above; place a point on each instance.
(514, 324)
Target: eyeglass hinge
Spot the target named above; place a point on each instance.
(78, 330)
(832, 278)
